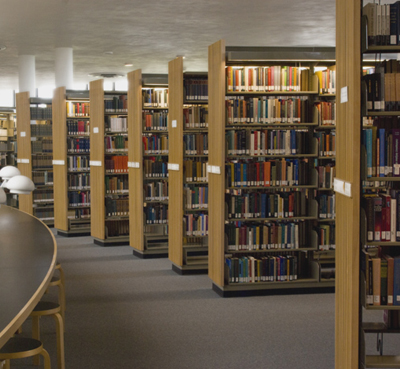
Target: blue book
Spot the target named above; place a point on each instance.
(382, 152)
(368, 147)
(293, 148)
(263, 205)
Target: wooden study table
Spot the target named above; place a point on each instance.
(28, 252)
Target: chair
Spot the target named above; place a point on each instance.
(47, 308)
(21, 347)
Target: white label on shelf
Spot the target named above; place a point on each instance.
(215, 169)
(58, 162)
(33, 138)
(95, 163)
(23, 134)
(24, 161)
(133, 164)
(95, 129)
(343, 95)
(342, 187)
(174, 124)
(172, 166)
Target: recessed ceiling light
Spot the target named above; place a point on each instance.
(2, 47)
(183, 56)
(108, 52)
(128, 64)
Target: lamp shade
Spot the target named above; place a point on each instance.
(3, 196)
(20, 184)
(9, 171)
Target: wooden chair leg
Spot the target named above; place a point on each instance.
(36, 335)
(46, 359)
(6, 364)
(60, 340)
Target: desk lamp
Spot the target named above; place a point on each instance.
(14, 182)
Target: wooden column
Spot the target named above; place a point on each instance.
(216, 143)
(135, 155)
(348, 16)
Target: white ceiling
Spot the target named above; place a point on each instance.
(150, 33)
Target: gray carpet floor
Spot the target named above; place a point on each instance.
(124, 312)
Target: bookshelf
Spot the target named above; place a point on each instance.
(71, 114)
(242, 143)
(35, 154)
(108, 166)
(379, 246)
(188, 208)
(148, 157)
(8, 145)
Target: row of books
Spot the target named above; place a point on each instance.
(195, 225)
(116, 143)
(79, 181)
(42, 178)
(156, 214)
(326, 143)
(116, 164)
(41, 130)
(195, 144)
(116, 185)
(267, 205)
(79, 213)
(327, 80)
(155, 144)
(326, 206)
(326, 113)
(38, 113)
(195, 116)
(117, 206)
(273, 78)
(195, 88)
(266, 110)
(382, 277)
(117, 228)
(326, 174)
(271, 235)
(270, 268)
(153, 168)
(383, 151)
(383, 222)
(78, 198)
(7, 159)
(279, 172)
(78, 145)
(195, 171)
(42, 162)
(195, 197)
(43, 195)
(326, 237)
(7, 146)
(155, 97)
(44, 213)
(78, 127)
(116, 104)
(156, 191)
(116, 124)
(268, 142)
(78, 109)
(78, 163)
(40, 146)
(155, 120)
(383, 23)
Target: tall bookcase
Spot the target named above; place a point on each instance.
(188, 136)
(71, 162)
(240, 258)
(8, 145)
(108, 166)
(148, 158)
(35, 154)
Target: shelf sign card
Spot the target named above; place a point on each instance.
(95, 163)
(342, 187)
(58, 162)
(172, 166)
(344, 95)
(174, 123)
(23, 161)
(95, 129)
(215, 169)
(133, 164)
(23, 134)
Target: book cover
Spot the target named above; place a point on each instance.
(376, 280)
